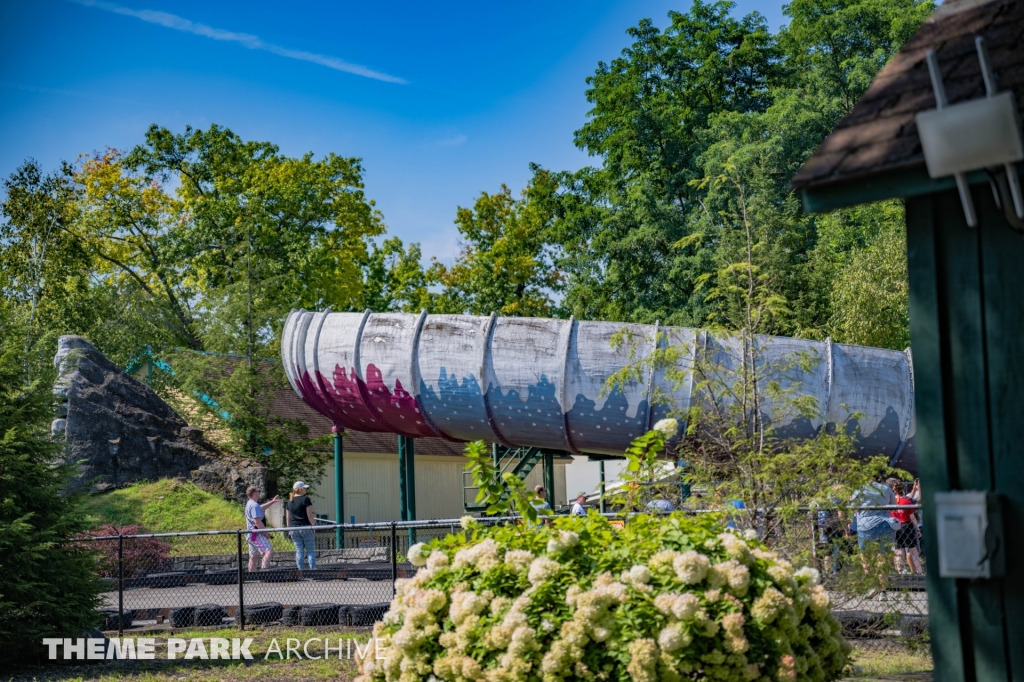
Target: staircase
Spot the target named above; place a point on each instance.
(517, 461)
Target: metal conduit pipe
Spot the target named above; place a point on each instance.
(539, 382)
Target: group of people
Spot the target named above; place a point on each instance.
(896, 530)
(298, 515)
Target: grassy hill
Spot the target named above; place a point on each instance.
(163, 507)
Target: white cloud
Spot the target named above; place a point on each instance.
(248, 40)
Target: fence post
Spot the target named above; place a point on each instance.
(120, 585)
(814, 539)
(394, 559)
(240, 613)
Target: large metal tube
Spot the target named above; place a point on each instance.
(541, 382)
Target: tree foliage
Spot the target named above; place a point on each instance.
(49, 587)
(203, 241)
(505, 264)
(698, 130)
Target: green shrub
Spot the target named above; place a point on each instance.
(48, 587)
(663, 598)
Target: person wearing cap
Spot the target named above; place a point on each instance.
(579, 507)
(299, 515)
(542, 498)
(259, 543)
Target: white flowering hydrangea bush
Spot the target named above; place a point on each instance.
(665, 598)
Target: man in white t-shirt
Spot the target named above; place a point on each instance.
(579, 507)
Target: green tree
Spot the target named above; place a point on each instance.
(234, 400)
(870, 294)
(42, 272)
(640, 235)
(49, 588)
(394, 279)
(252, 223)
(202, 241)
(836, 47)
(505, 264)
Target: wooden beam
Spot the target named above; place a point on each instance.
(966, 310)
(898, 184)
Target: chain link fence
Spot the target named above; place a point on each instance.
(348, 574)
(217, 578)
(877, 591)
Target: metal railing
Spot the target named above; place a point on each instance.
(242, 577)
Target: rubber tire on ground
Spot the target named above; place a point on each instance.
(319, 614)
(209, 614)
(184, 617)
(291, 615)
(860, 623)
(110, 619)
(914, 626)
(344, 614)
(368, 614)
(266, 612)
(222, 577)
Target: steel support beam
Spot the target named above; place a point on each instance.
(339, 484)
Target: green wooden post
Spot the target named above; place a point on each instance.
(339, 485)
(407, 482)
(410, 478)
(403, 499)
(549, 477)
(966, 309)
(601, 503)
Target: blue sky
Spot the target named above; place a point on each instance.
(440, 100)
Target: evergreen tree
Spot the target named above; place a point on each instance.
(49, 586)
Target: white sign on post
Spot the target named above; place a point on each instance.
(962, 518)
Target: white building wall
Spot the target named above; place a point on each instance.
(371, 487)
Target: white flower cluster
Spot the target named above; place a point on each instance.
(519, 559)
(690, 567)
(638, 576)
(563, 540)
(667, 427)
(481, 556)
(543, 569)
(736, 548)
(495, 610)
(417, 557)
(592, 620)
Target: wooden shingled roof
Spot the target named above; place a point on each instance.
(879, 136)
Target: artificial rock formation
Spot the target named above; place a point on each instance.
(120, 431)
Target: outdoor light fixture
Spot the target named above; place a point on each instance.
(979, 134)
(969, 527)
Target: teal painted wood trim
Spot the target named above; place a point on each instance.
(407, 483)
(901, 184)
(403, 483)
(968, 393)
(1002, 262)
(339, 485)
(936, 470)
(549, 477)
(410, 478)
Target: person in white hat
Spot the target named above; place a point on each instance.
(299, 515)
(579, 507)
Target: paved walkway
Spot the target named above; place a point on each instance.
(290, 593)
